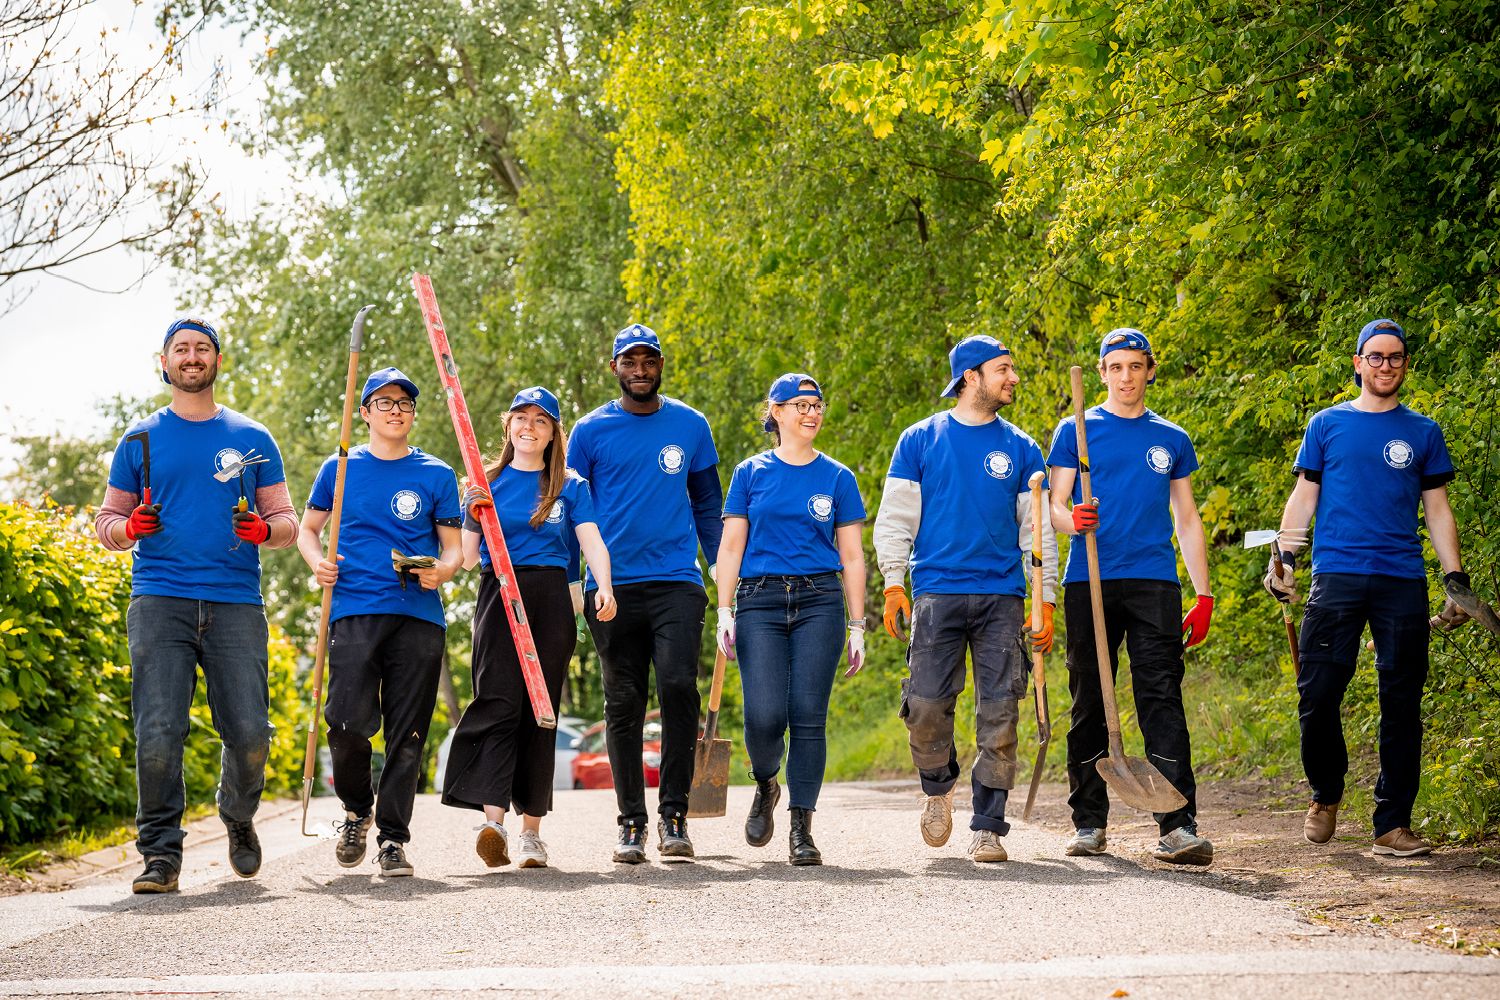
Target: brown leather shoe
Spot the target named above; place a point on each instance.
(1401, 843)
(1320, 822)
(937, 818)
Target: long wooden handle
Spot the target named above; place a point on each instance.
(1286, 614)
(715, 693)
(1038, 659)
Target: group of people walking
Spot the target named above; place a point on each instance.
(636, 490)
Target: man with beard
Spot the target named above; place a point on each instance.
(195, 596)
(651, 464)
(957, 505)
(1362, 471)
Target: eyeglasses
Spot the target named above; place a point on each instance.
(1376, 360)
(386, 404)
(806, 406)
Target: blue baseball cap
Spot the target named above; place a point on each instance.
(971, 352)
(1376, 328)
(1126, 339)
(636, 335)
(383, 378)
(188, 323)
(788, 387)
(538, 396)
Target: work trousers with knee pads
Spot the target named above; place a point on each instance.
(989, 627)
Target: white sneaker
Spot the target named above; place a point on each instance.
(492, 845)
(531, 852)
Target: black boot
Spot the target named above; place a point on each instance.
(804, 851)
(759, 825)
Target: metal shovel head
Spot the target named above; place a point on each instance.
(709, 793)
(1139, 784)
(1472, 605)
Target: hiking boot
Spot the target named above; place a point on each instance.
(802, 849)
(350, 849)
(937, 819)
(1320, 822)
(244, 848)
(759, 824)
(1183, 846)
(631, 850)
(1401, 843)
(492, 845)
(672, 830)
(1086, 843)
(392, 861)
(532, 852)
(986, 846)
(160, 876)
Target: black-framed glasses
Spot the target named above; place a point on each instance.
(1376, 360)
(806, 406)
(386, 404)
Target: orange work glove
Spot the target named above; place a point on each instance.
(897, 612)
(1041, 642)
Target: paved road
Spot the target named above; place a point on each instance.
(885, 915)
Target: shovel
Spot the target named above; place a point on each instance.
(1133, 779)
(710, 790)
(1472, 605)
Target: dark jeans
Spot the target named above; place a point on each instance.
(660, 623)
(1337, 609)
(382, 673)
(789, 637)
(1147, 614)
(170, 637)
(943, 627)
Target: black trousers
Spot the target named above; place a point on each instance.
(500, 756)
(1338, 607)
(660, 623)
(382, 673)
(1147, 615)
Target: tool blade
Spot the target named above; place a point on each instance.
(1255, 539)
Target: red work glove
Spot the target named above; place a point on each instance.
(1041, 642)
(249, 527)
(1195, 625)
(1086, 516)
(144, 520)
(897, 612)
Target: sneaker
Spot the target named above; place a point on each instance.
(1320, 822)
(1183, 846)
(392, 861)
(1087, 842)
(1401, 843)
(244, 848)
(533, 853)
(492, 845)
(160, 875)
(631, 850)
(986, 846)
(937, 819)
(350, 849)
(675, 845)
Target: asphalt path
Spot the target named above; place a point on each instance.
(885, 915)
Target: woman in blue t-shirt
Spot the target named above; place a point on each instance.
(792, 521)
(500, 757)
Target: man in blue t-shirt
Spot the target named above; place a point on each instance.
(385, 644)
(651, 463)
(196, 489)
(1141, 467)
(1363, 470)
(957, 507)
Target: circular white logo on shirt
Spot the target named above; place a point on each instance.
(406, 505)
(820, 506)
(1398, 454)
(226, 458)
(555, 514)
(671, 459)
(998, 464)
(1159, 458)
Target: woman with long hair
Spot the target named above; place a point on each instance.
(500, 758)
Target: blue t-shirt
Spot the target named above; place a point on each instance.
(1372, 469)
(196, 554)
(968, 541)
(388, 504)
(637, 467)
(554, 543)
(1132, 461)
(793, 511)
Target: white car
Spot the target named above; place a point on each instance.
(569, 732)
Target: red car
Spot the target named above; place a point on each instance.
(591, 766)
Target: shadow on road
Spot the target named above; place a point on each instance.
(234, 894)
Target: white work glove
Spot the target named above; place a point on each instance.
(725, 632)
(1283, 587)
(855, 648)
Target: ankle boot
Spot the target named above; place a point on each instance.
(759, 824)
(804, 851)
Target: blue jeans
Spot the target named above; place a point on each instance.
(170, 637)
(789, 637)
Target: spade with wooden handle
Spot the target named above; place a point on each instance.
(709, 792)
(1038, 658)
